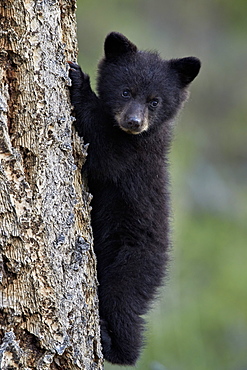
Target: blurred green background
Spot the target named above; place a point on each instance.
(200, 322)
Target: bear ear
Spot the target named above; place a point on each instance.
(187, 69)
(117, 44)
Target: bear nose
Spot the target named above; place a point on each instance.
(134, 122)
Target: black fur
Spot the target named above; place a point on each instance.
(129, 128)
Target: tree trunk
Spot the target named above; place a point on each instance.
(48, 285)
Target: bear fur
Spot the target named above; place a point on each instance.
(128, 126)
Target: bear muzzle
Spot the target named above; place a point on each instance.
(133, 119)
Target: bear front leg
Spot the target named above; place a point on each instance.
(83, 99)
(80, 88)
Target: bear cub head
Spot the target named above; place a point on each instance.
(139, 90)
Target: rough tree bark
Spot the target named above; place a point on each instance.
(48, 285)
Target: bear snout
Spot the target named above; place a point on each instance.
(133, 118)
(134, 122)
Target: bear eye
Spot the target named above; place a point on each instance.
(153, 103)
(126, 93)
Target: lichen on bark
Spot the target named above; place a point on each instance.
(48, 284)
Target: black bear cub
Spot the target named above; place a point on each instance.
(128, 126)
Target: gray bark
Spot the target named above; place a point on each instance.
(48, 285)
